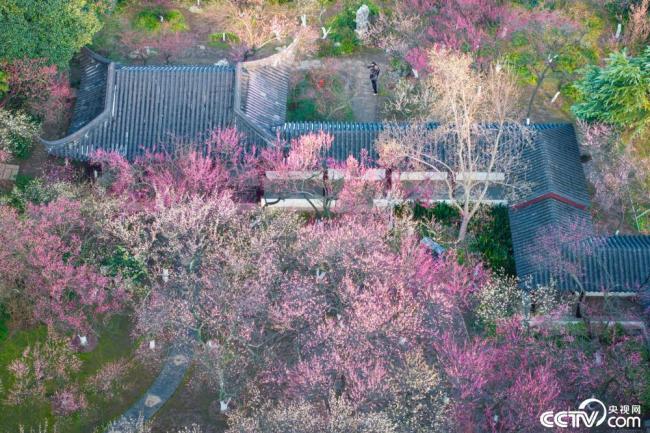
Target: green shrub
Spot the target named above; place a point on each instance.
(30, 190)
(21, 147)
(4, 83)
(222, 40)
(492, 239)
(303, 110)
(327, 49)
(441, 212)
(54, 29)
(17, 133)
(4, 319)
(529, 4)
(343, 39)
(176, 20)
(347, 47)
(148, 20)
(123, 263)
(401, 66)
(618, 8)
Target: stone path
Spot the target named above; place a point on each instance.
(169, 379)
(8, 172)
(365, 105)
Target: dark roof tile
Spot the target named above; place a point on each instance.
(150, 106)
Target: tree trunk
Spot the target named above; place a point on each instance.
(462, 233)
(540, 80)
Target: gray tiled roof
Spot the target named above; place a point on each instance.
(526, 225)
(559, 199)
(350, 139)
(91, 95)
(150, 106)
(619, 263)
(553, 164)
(265, 95)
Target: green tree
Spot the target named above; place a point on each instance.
(4, 83)
(549, 46)
(52, 29)
(618, 93)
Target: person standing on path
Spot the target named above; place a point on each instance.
(374, 75)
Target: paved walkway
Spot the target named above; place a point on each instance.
(355, 75)
(170, 377)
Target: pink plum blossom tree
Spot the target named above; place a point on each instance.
(45, 256)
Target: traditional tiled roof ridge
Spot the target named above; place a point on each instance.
(54, 145)
(549, 196)
(188, 67)
(91, 95)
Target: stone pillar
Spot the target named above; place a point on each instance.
(362, 20)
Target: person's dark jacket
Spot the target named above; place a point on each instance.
(374, 72)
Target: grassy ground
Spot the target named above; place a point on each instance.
(114, 343)
(488, 235)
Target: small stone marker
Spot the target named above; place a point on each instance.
(152, 344)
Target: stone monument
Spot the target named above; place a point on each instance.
(362, 20)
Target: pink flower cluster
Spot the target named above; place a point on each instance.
(67, 401)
